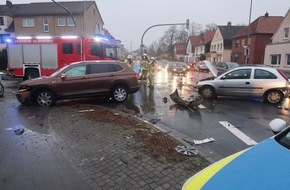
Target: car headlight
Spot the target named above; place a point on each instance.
(174, 69)
(23, 89)
(184, 69)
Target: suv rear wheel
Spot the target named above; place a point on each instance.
(273, 97)
(1, 90)
(45, 98)
(120, 94)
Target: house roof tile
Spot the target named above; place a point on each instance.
(229, 31)
(207, 37)
(262, 25)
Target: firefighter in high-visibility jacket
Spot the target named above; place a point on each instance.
(151, 72)
(129, 61)
(144, 65)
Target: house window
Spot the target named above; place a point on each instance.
(288, 59)
(28, 22)
(243, 42)
(238, 43)
(70, 22)
(275, 59)
(286, 33)
(218, 47)
(221, 46)
(61, 21)
(1, 21)
(45, 25)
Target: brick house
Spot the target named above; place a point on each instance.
(277, 53)
(260, 32)
(179, 51)
(203, 47)
(6, 23)
(221, 44)
(48, 18)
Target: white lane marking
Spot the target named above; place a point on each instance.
(246, 139)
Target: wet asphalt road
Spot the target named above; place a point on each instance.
(209, 120)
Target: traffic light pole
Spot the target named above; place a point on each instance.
(142, 45)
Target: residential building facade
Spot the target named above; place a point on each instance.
(203, 46)
(221, 44)
(192, 42)
(179, 51)
(249, 44)
(6, 23)
(277, 53)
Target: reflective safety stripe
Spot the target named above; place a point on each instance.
(197, 181)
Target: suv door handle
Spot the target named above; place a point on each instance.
(247, 83)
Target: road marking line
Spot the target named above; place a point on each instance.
(246, 139)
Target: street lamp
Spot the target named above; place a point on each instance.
(248, 36)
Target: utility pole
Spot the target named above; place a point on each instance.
(142, 45)
(246, 52)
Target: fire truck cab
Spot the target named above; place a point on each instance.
(31, 57)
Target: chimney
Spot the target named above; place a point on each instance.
(229, 24)
(266, 14)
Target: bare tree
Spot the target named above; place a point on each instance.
(210, 26)
(194, 29)
(153, 49)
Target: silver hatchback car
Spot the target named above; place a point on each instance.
(267, 83)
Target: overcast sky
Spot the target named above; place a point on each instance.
(127, 20)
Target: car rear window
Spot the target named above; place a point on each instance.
(263, 74)
(100, 68)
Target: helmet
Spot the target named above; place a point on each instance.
(152, 58)
(129, 57)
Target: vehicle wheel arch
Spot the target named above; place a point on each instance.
(119, 85)
(208, 86)
(30, 71)
(35, 92)
(266, 93)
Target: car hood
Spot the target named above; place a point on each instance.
(264, 166)
(38, 80)
(211, 67)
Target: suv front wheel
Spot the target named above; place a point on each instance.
(120, 94)
(273, 97)
(45, 98)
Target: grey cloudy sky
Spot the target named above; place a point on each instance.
(126, 20)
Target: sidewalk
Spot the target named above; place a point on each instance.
(84, 146)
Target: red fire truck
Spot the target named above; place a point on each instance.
(40, 56)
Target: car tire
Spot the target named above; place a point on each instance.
(45, 98)
(273, 97)
(207, 92)
(1, 90)
(31, 74)
(120, 94)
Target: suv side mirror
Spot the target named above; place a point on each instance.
(63, 76)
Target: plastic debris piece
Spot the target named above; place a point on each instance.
(207, 140)
(154, 121)
(19, 131)
(187, 150)
(90, 110)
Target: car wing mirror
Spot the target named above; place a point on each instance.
(63, 76)
(277, 125)
(223, 77)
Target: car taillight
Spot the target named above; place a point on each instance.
(282, 74)
(137, 75)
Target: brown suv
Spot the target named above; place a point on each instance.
(79, 80)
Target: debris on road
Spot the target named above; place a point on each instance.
(207, 140)
(187, 150)
(164, 100)
(19, 131)
(154, 120)
(90, 110)
(194, 100)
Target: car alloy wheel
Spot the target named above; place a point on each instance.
(120, 94)
(274, 97)
(207, 92)
(45, 98)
